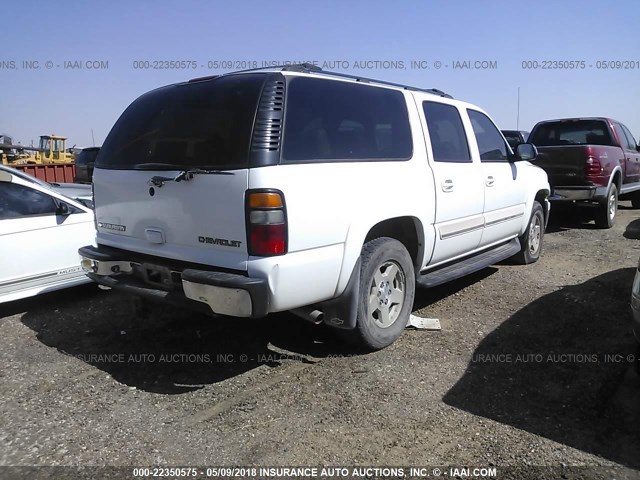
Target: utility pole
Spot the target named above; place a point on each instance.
(518, 115)
(93, 139)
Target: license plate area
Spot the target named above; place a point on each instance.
(158, 276)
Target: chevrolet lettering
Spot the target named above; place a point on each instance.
(220, 241)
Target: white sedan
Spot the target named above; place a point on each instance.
(40, 233)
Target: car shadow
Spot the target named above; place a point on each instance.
(168, 350)
(561, 368)
(632, 232)
(571, 217)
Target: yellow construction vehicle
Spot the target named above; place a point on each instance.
(49, 161)
(50, 150)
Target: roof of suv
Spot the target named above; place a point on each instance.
(307, 68)
(576, 119)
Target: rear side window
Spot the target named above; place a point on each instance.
(490, 142)
(329, 120)
(631, 142)
(205, 124)
(448, 138)
(572, 132)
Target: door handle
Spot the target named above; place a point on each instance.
(489, 181)
(447, 186)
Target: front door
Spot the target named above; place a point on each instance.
(505, 193)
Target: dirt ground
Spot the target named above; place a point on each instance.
(532, 374)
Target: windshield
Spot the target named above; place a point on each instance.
(575, 132)
(205, 124)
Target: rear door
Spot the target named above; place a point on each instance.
(171, 176)
(631, 154)
(458, 183)
(504, 188)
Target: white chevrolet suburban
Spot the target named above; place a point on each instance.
(292, 188)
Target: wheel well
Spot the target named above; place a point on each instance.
(402, 229)
(540, 198)
(617, 179)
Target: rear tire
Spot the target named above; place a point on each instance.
(635, 200)
(608, 208)
(531, 239)
(385, 296)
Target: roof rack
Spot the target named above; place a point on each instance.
(311, 68)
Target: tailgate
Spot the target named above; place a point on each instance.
(170, 178)
(565, 165)
(201, 220)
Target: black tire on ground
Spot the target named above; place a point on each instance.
(635, 199)
(608, 208)
(531, 239)
(386, 293)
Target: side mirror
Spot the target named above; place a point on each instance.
(63, 209)
(526, 151)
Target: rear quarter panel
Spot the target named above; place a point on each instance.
(335, 204)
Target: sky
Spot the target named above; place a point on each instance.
(483, 52)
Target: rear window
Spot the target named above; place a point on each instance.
(329, 120)
(579, 132)
(205, 124)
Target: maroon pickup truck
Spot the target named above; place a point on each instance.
(589, 160)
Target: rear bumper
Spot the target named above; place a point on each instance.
(572, 193)
(204, 290)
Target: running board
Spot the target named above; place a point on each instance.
(468, 265)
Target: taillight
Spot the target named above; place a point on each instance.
(266, 223)
(592, 165)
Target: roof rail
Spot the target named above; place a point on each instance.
(357, 78)
(311, 68)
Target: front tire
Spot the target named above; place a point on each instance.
(386, 294)
(608, 209)
(531, 239)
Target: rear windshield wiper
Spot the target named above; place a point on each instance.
(186, 175)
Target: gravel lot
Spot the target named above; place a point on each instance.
(531, 368)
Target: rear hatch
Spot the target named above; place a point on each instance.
(564, 147)
(171, 177)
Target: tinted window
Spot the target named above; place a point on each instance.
(490, 142)
(19, 201)
(513, 139)
(630, 140)
(87, 156)
(330, 120)
(200, 124)
(448, 138)
(573, 132)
